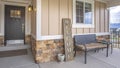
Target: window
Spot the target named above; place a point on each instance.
(83, 13)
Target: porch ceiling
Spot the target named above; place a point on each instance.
(19, 1)
(111, 0)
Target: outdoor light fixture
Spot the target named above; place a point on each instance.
(30, 8)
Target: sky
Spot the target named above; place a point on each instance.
(115, 14)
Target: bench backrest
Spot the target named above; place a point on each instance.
(84, 39)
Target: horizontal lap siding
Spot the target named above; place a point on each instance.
(54, 10)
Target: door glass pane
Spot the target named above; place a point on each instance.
(79, 12)
(15, 13)
(88, 13)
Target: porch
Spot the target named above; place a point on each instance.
(42, 31)
(95, 60)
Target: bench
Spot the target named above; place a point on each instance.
(88, 42)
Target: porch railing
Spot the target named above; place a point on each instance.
(115, 38)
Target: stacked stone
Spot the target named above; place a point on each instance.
(1, 41)
(27, 39)
(47, 50)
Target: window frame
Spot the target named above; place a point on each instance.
(80, 25)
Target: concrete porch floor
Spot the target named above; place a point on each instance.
(95, 60)
(22, 61)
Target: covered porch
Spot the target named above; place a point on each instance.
(43, 33)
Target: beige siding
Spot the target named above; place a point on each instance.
(106, 20)
(80, 31)
(33, 20)
(53, 11)
(74, 31)
(97, 16)
(92, 30)
(86, 30)
(63, 12)
(70, 4)
(102, 17)
(53, 17)
(45, 18)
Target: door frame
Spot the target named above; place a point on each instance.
(3, 15)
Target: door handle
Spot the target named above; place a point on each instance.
(22, 27)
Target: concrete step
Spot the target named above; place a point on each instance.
(13, 53)
(11, 47)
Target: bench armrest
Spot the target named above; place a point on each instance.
(84, 45)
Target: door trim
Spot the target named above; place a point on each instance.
(3, 16)
(27, 15)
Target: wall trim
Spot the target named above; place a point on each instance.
(51, 37)
(18, 1)
(1, 34)
(102, 1)
(38, 19)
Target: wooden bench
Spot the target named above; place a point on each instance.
(88, 42)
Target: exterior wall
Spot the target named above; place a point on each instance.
(33, 20)
(54, 10)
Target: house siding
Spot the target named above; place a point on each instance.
(33, 20)
(54, 10)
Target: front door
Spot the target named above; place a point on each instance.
(14, 23)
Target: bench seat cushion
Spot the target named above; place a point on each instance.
(92, 46)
